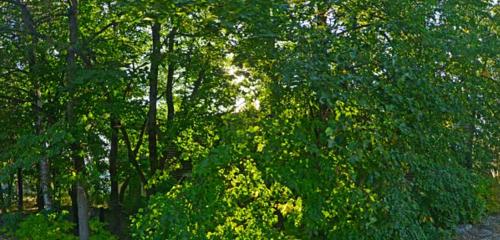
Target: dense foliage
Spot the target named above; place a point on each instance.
(262, 119)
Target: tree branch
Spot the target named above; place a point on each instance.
(103, 29)
(132, 153)
(354, 29)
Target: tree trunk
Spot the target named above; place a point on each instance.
(19, 189)
(153, 95)
(10, 191)
(74, 207)
(123, 189)
(470, 147)
(2, 200)
(132, 153)
(39, 197)
(170, 78)
(76, 148)
(114, 203)
(29, 25)
(170, 98)
(45, 183)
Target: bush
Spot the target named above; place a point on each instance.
(292, 189)
(9, 222)
(99, 231)
(54, 226)
(46, 226)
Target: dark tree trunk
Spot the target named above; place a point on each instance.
(132, 153)
(20, 189)
(153, 95)
(170, 97)
(469, 163)
(132, 158)
(2, 200)
(170, 78)
(115, 223)
(74, 207)
(10, 191)
(39, 196)
(123, 189)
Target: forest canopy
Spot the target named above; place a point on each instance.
(247, 119)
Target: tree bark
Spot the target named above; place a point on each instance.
(123, 189)
(39, 197)
(2, 200)
(74, 207)
(10, 191)
(76, 149)
(170, 98)
(153, 95)
(20, 189)
(83, 227)
(114, 203)
(170, 78)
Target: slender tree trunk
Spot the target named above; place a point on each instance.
(153, 95)
(170, 78)
(132, 153)
(20, 189)
(2, 199)
(45, 183)
(469, 163)
(123, 189)
(83, 218)
(170, 98)
(74, 207)
(57, 190)
(10, 191)
(114, 196)
(81, 198)
(29, 25)
(39, 197)
(76, 149)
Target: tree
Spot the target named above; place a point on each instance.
(76, 155)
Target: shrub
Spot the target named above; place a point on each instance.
(9, 222)
(46, 226)
(54, 226)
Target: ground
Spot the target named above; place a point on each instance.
(488, 229)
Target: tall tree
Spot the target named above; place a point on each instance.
(76, 149)
(155, 59)
(35, 75)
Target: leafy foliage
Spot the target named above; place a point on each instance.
(280, 119)
(40, 226)
(56, 226)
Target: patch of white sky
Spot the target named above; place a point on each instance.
(246, 93)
